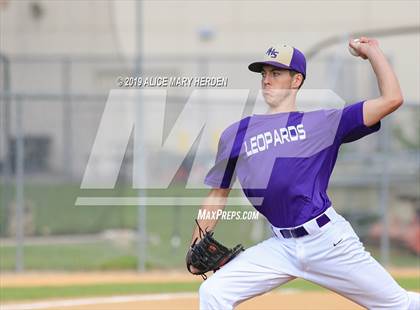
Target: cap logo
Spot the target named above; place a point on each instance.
(271, 52)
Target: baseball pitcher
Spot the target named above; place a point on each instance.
(287, 157)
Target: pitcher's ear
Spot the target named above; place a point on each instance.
(297, 80)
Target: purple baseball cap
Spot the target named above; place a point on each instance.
(282, 56)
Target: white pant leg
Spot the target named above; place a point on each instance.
(414, 299)
(350, 271)
(255, 271)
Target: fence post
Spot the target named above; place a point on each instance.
(20, 203)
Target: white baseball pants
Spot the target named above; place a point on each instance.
(331, 256)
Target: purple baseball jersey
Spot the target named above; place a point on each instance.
(286, 159)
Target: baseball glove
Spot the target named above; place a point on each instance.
(208, 254)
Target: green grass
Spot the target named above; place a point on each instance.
(33, 293)
(407, 283)
(94, 256)
(26, 293)
(162, 223)
(397, 257)
(105, 255)
(53, 213)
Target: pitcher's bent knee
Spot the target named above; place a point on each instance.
(408, 301)
(414, 301)
(403, 300)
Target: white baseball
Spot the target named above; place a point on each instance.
(352, 50)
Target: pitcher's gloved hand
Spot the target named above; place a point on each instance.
(208, 254)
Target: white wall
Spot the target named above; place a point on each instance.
(171, 28)
(241, 28)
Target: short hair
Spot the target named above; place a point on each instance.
(292, 73)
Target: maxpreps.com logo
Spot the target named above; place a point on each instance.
(271, 52)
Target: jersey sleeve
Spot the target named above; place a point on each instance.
(350, 125)
(222, 174)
